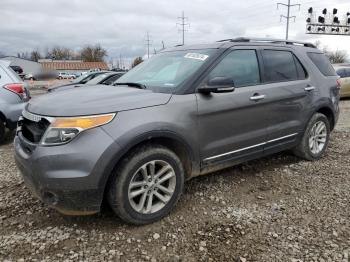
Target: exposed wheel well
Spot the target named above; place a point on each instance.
(329, 114)
(179, 148)
(3, 118)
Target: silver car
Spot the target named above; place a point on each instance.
(13, 96)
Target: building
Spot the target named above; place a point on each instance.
(71, 66)
(28, 66)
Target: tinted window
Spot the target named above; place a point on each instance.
(111, 80)
(241, 65)
(347, 72)
(323, 64)
(341, 72)
(279, 66)
(300, 69)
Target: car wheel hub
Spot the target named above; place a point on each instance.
(152, 186)
(318, 137)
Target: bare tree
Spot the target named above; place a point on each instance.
(35, 55)
(336, 57)
(61, 53)
(92, 53)
(137, 60)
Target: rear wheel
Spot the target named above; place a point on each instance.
(2, 131)
(315, 139)
(147, 185)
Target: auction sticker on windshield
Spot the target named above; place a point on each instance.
(196, 56)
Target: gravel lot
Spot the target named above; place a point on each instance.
(275, 209)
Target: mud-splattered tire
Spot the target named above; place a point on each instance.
(315, 139)
(2, 132)
(146, 185)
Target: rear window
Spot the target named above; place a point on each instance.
(341, 72)
(323, 64)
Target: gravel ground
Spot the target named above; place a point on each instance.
(275, 209)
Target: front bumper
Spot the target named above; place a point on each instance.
(71, 177)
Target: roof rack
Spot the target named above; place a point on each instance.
(268, 40)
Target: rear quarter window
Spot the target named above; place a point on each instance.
(322, 63)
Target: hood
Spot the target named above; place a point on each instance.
(94, 100)
(64, 87)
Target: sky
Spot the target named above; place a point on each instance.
(121, 26)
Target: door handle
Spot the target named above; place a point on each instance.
(309, 88)
(257, 97)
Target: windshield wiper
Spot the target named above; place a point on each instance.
(132, 84)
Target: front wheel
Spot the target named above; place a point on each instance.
(147, 185)
(315, 139)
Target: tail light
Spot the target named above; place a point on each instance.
(338, 84)
(16, 88)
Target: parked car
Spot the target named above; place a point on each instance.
(344, 73)
(186, 111)
(107, 78)
(45, 75)
(17, 69)
(13, 97)
(83, 79)
(64, 75)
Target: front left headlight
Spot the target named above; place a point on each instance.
(64, 129)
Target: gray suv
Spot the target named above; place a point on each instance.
(187, 111)
(13, 97)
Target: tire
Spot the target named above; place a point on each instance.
(306, 149)
(120, 193)
(2, 131)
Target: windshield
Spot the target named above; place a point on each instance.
(166, 71)
(97, 79)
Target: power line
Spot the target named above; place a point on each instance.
(288, 17)
(183, 23)
(148, 43)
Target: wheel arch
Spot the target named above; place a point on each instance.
(329, 113)
(168, 139)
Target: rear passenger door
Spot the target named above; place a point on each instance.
(288, 94)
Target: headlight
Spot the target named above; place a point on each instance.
(64, 129)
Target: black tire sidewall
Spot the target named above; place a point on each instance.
(123, 180)
(2, 131)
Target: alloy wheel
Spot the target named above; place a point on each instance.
(318, 137)
(152, 186)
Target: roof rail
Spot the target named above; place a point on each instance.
(268, 40)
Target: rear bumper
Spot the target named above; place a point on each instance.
(67, 177)
(12, 114)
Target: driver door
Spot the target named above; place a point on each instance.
(232, 125)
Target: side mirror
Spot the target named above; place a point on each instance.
(218, 84)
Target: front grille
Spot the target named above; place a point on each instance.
(33, 131)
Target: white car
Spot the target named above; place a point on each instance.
(63, 75)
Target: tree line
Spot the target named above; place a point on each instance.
(89, 53)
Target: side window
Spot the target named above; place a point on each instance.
(111, 80)
(279, 66)
(341, 73)
(241, 65)
(300, 69)
(347, 72)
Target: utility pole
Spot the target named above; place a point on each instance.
(288, 17)
(183, 23)
(148, 43)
